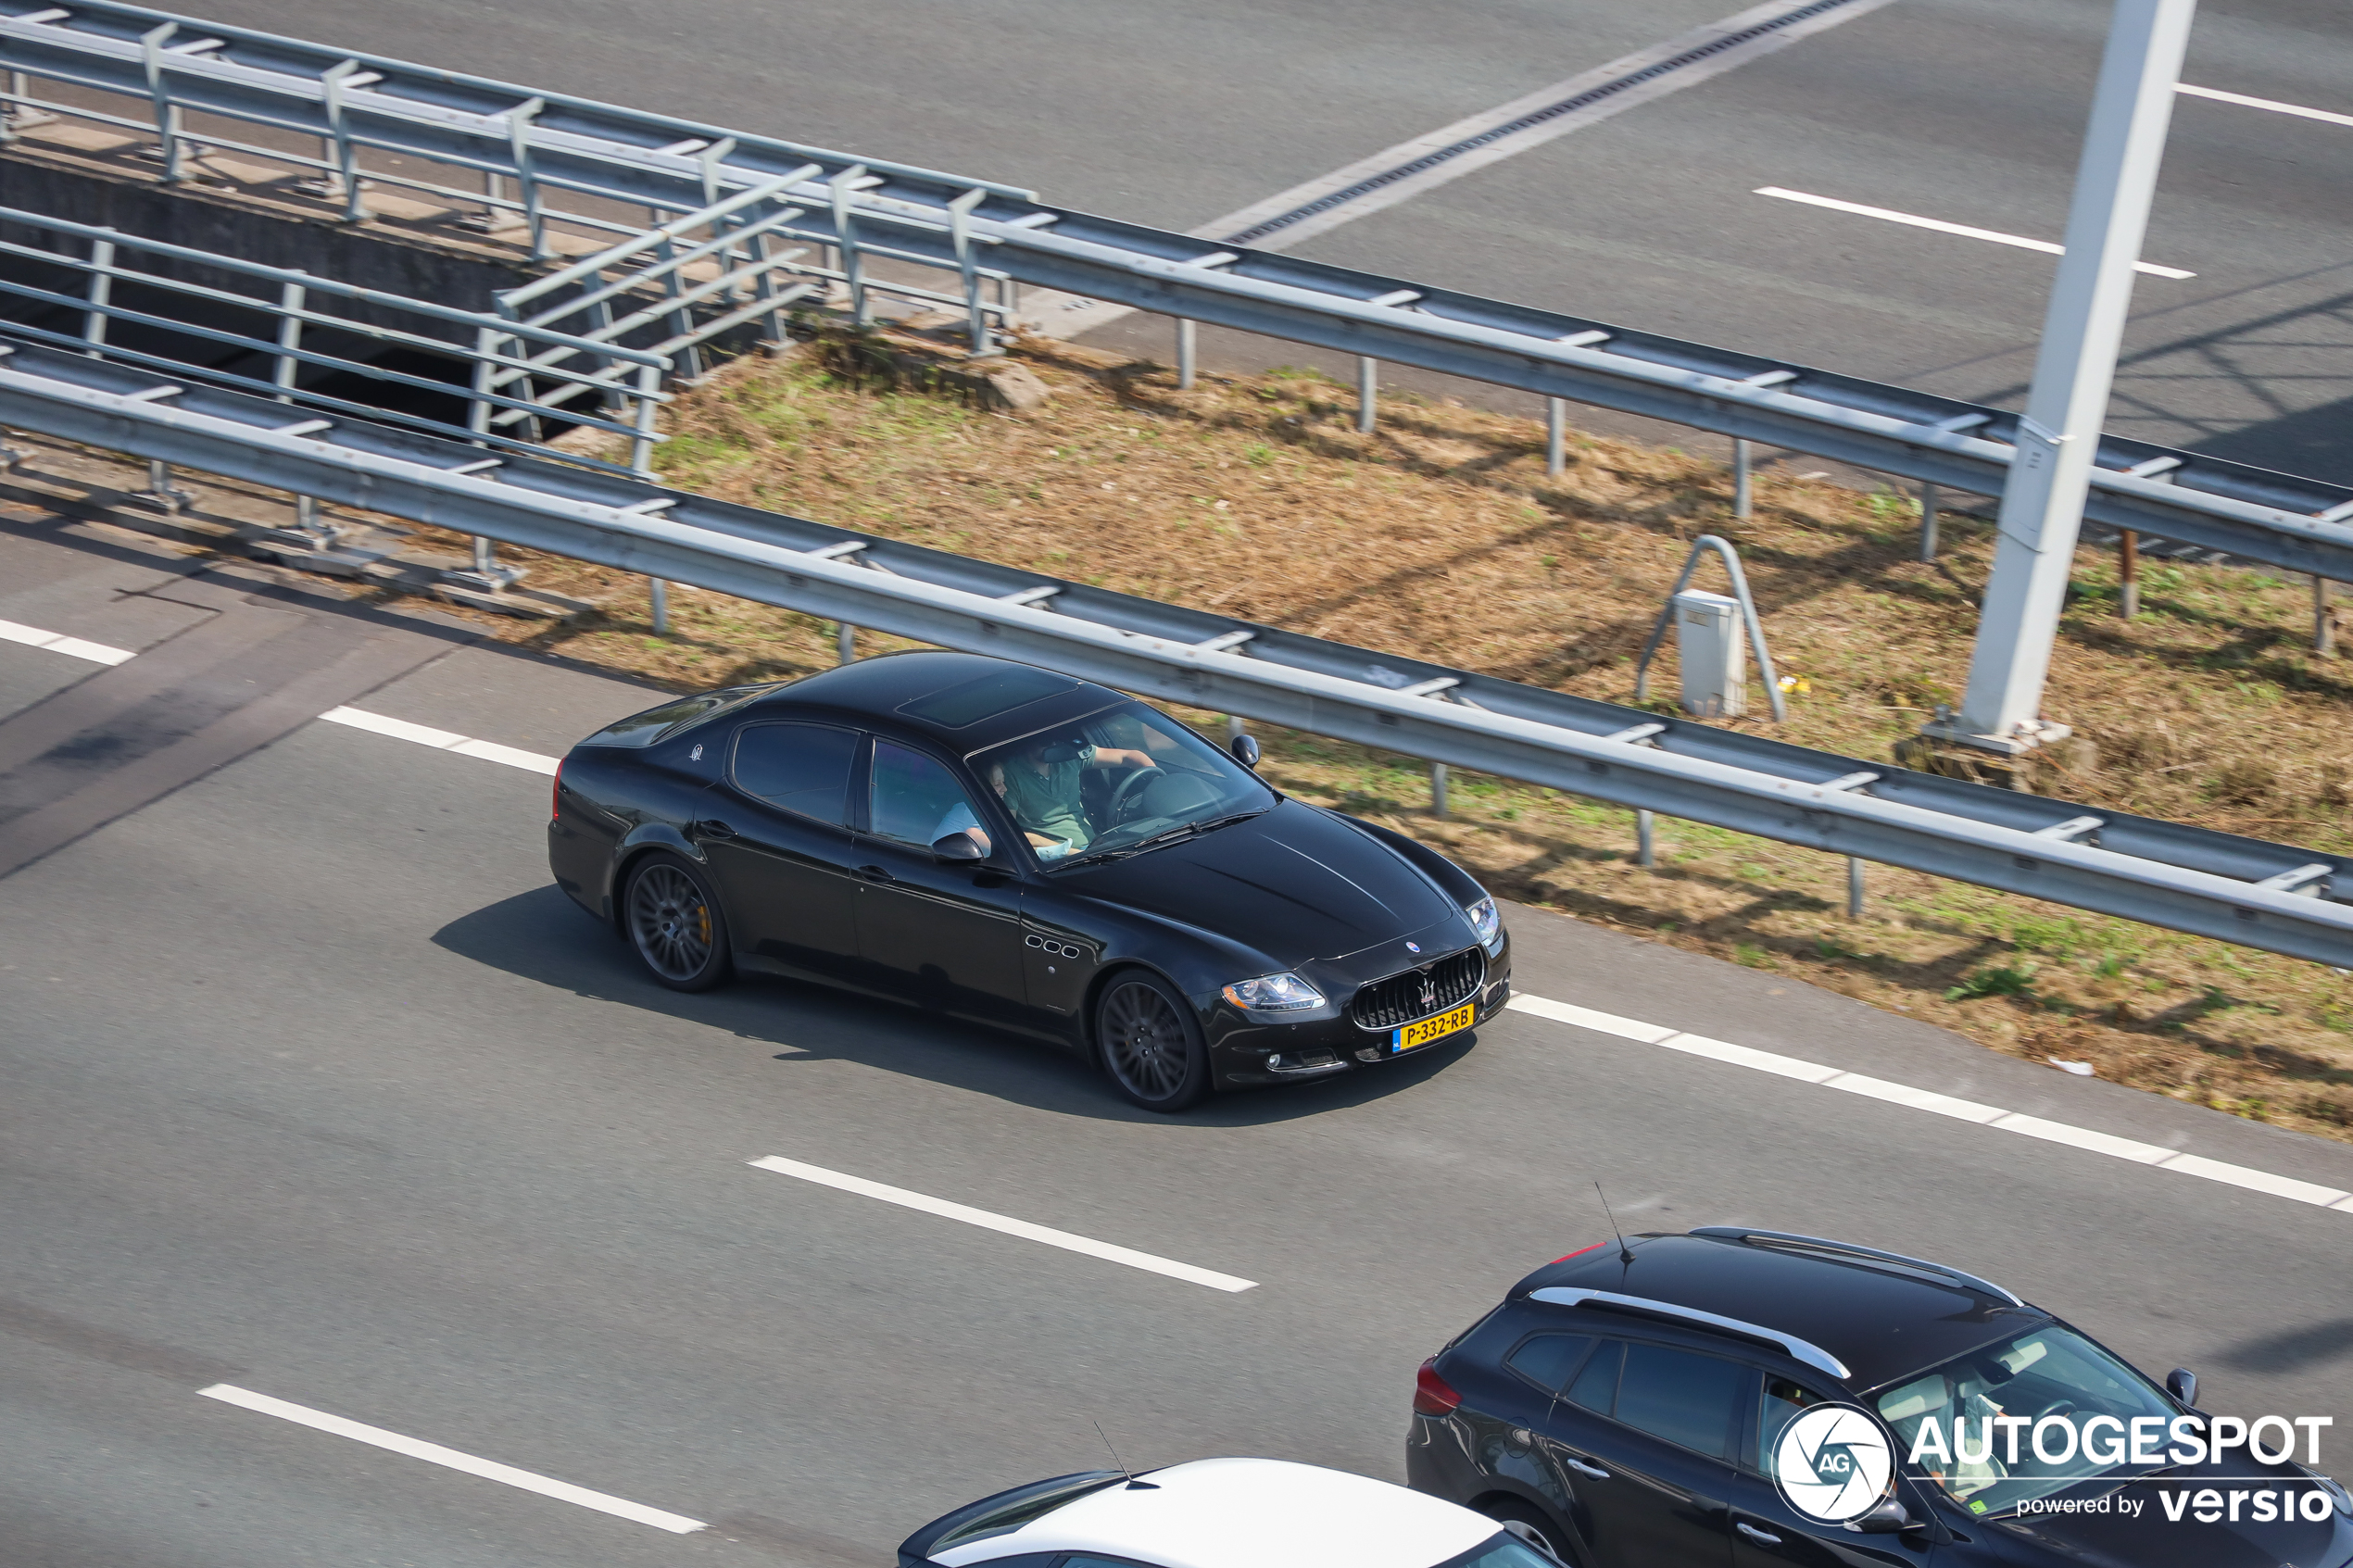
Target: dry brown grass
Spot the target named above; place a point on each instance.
(1441, 536)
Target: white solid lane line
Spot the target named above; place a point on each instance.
(2272, 104)
(433, 1453)
(987, 1221)
(1992, 1116)
(440, 740)
(1915, 221)
(34, 637)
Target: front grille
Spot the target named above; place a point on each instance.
(1419, 993)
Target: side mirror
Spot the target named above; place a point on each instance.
(1245, 750)
(956, 846)
(1885, 1519)
(2181, 1383)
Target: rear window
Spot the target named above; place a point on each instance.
(1002, 1515)
(644, 729)
(969, 702)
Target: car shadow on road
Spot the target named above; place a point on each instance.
(544, 936)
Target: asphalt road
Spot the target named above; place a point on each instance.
(317, 1087)
(1964, 111)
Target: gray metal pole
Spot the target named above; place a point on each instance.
(1927, 522)
(1645, 839)
(846, 644)
(1743, 497)
(658, 592)
(2128, 574)
(1184, 355)
(1438, 790)
(2323, 625)
(1368, 393)
(1555, 435)
(1854, 888)
(2043, 501)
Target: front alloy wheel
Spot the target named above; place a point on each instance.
(1151, 1045)
(675, 926)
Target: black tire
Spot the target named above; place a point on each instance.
(674, 923)
(1531, 1525)
(1150, 1043)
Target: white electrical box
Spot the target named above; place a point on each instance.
(1714, 646)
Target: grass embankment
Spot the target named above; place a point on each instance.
(1441, 536)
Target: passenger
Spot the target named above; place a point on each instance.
(1039, 786)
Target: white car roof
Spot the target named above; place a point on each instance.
(1248, 1513)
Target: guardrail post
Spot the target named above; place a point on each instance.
(1743, 497)
(1555, 436)
(2128, 574)
(1854, 888)
(100, 293)
(959, 236)
(347, 155)
(519, 121)
(2323, 623)
(1234, 728)
(1185, 325)
(1438, 790)
(1645, 839)
(160, 493)
(1368, 393)
(845, 643)
(292, 297)
(846, 235)
(1927, 522)
(168, 120)
(657, 595)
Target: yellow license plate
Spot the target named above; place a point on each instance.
(1430, 1029)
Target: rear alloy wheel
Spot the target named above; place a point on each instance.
(1150, 1043)
(1528, 1525)
(675, 924)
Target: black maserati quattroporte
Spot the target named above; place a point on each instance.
(1016, 848)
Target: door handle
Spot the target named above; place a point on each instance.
(712, 829)
(1762, 1538)
(1595, 1471)
(874, 873)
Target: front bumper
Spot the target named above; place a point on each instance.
(1326, 1044)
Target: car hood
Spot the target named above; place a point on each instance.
(2156, 1539)
(1293, 883)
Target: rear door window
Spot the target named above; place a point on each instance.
(1689, 1399)
(1596, 1384)
(1549, 1360)
(802, 768)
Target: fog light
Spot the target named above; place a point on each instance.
(1273, 1061)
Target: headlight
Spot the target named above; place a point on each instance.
(1485, 923)
(1274, 993)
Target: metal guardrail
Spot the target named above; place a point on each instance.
(551, 147)
(2270, 895)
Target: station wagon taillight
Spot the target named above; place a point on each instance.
(1432, 1394)
(556, 796)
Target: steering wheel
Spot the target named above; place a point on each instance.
(1126, 786)
(2060, 1406)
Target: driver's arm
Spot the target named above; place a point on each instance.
(1121, 757)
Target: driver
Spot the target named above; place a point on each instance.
(1039, 786)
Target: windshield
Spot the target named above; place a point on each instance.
(2050, 1384)
(1114, 780)
(1502, 1549)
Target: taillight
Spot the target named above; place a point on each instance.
(1578, 1253)
(556, 796)
(1432, 1394)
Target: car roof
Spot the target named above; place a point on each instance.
(1882, 1316)
(963, 702)
(1248, 1513)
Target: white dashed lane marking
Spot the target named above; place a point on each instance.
(57, 642)
(1003, 1224)
(1938, 225)
(433, 1453)
(1992, 1116)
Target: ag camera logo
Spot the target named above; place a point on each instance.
(1832, 1463)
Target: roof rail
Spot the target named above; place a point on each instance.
(1804, 1350)
(1820, 1244)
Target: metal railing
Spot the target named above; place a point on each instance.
(2262, 895)
(602, 158)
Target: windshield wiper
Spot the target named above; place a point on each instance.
(1169, 835)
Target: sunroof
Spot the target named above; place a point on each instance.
(969, 702)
